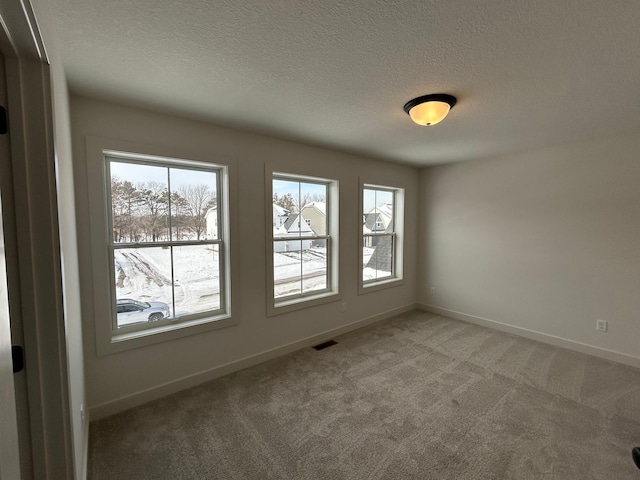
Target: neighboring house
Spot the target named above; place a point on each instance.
(294, 226)
(382, 257)
(280, 215)
(211, 219)
(316, 215)
(378, 220)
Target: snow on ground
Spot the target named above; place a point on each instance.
(369, 273)
(145, 274)
(296, 272)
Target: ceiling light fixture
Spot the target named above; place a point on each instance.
(430, 109)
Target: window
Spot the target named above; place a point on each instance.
(382, 221)
(303, 248)
(166, 247)
(160, 232)
(161, 264)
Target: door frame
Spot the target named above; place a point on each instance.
(32, 236)
(9, 440)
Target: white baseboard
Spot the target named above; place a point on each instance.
(124, 403)
(533, 335)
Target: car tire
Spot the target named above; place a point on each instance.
(155, 317)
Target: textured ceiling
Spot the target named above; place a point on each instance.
(527, 74)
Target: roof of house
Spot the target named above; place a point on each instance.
(279, 211)
(292, 220)
(382, 213)
(320, 206)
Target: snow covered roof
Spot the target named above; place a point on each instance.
(384, 209)
(321, 206)
(382, 213)
(279, 211)
(212, 210)
(294, 226)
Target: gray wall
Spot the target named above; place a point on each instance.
(546, 241)
(120, 380)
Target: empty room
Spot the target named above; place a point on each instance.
(301, 240)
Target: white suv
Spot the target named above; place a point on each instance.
(134, 311)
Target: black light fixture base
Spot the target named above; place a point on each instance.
(434, 97)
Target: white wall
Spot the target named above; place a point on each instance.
(546, 241)
(123, 379)
(70, 272)
(68, 238)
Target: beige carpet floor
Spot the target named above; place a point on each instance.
(414, 397)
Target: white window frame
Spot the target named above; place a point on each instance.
(109, 338)
(276, 306)
(397, 235)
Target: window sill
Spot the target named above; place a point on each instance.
(300, 303)
(120, 342)
(365, 288)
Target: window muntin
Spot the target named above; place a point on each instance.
(302, 247)
(166, 244)
(379, 237)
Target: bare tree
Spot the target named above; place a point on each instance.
(286, 201)
(155, 200)
(180, 216)
(308, 198)
(198, 200)
(141, 210)
(125, 205)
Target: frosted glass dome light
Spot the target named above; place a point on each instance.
(430, 110)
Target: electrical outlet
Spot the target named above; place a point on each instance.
(82, 416)
(343, 307)
(432, 290)
(602, 325)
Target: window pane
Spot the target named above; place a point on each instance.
(285, 194)
(377, 257)
(196, 273)
(314, 267)
(314, 207)
(194, 215)
(287, 267)
(139, 202)
(142, 275)
(384, 208)
(285, 208)
(299, 208)
(378, 211)
(368, 204)
(296, 226)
